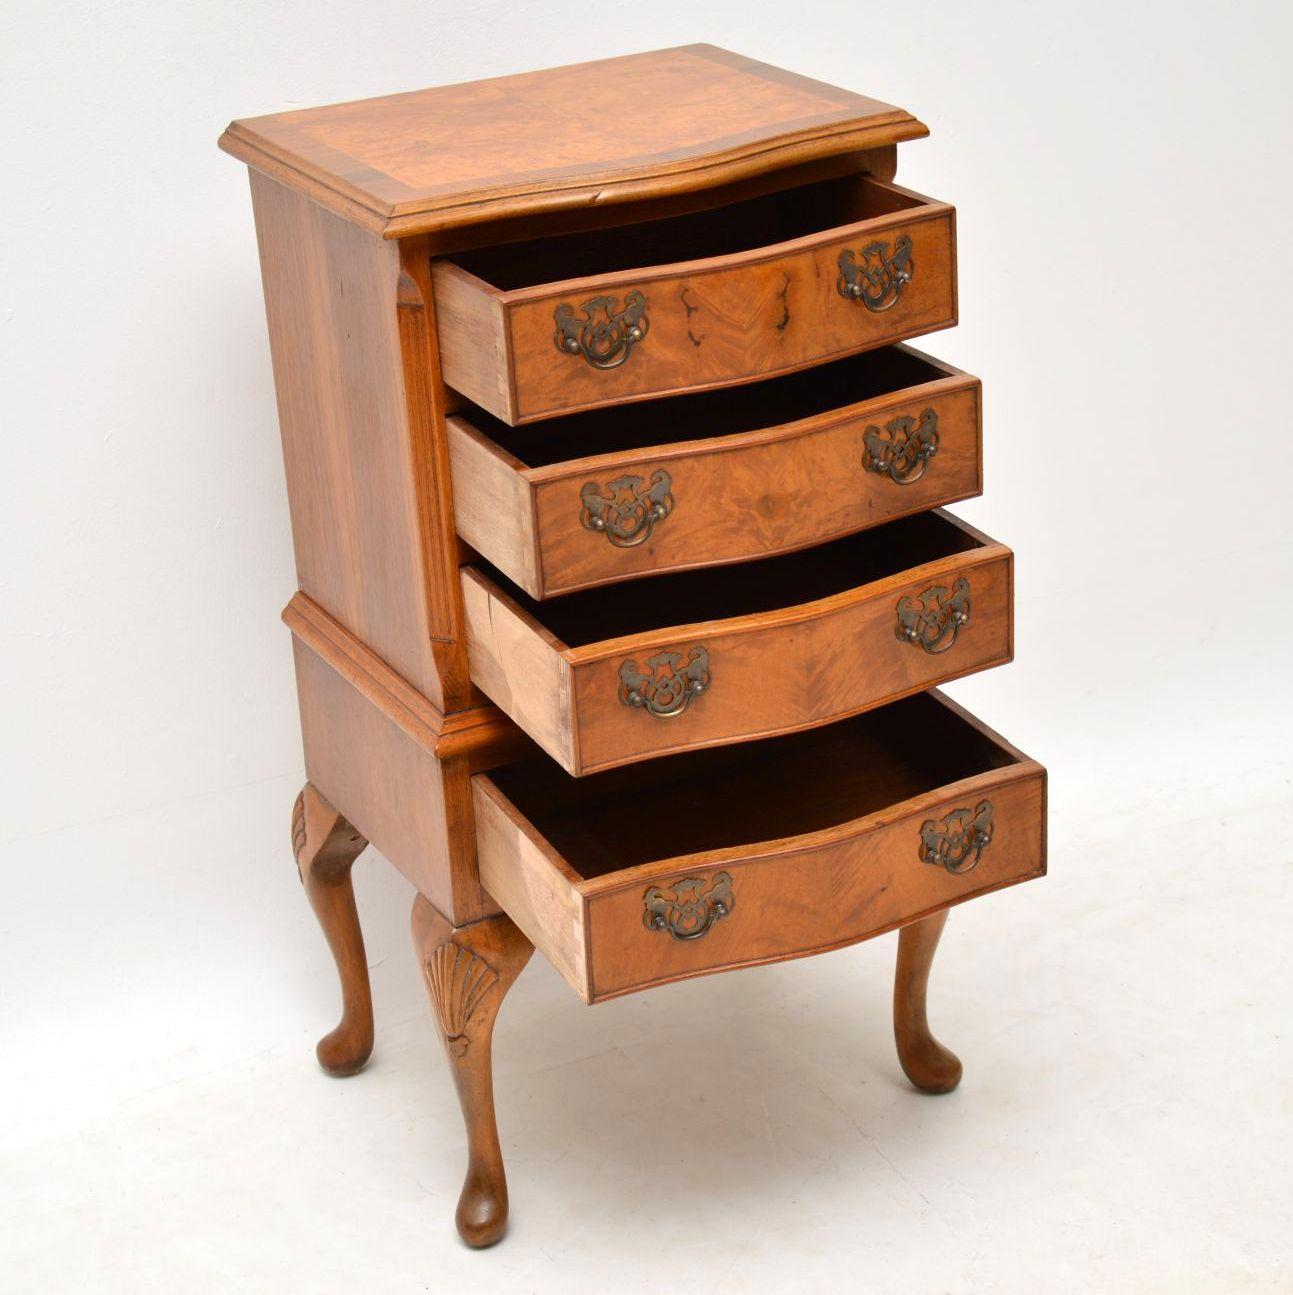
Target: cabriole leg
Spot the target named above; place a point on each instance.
(929, 1065)
(468, 971)
(326, 846)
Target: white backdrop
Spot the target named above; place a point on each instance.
(1121, 174)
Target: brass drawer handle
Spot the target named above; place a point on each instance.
(903, 448)
(958, 841)
(690, 911)
(669, 683)
(625, 512)
(934, 619)
(879, 280)
(604, 336)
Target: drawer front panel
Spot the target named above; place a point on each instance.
(795, 670)
(733, 319)
(758, 495)
(808, 897)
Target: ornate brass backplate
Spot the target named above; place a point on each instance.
(902, 449)
(604, 336)
(669, 683)
(878, 279)
(957, 841)
(626, 510)
(933, 619)
(692, 906)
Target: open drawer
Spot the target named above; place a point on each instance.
(793, 845)
(645, 668)
(719, 476)
(753, 289)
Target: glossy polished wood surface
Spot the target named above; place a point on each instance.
(600, 133)
(792, 642)
(744, 292)
(818, 833)
(763, 470)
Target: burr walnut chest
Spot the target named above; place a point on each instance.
(624, 577)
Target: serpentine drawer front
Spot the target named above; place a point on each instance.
(749, 290)
(620, 673)
(789, 846)
(716, 477)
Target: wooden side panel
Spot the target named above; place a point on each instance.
(531, 884)
(750, 496)
(800, 896)
(794, 669)
(353, 477)
(493, 505)
(731, 319)
(474, 354)
(413, 807)
(519, 667)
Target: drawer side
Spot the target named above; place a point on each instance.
(493, 504)
(521, 873)
(519, 666)
(474, 356)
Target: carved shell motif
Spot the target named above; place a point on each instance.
(459, 982)
(298, 831)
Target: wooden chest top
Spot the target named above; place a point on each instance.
(668, 121)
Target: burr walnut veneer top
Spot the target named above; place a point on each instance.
(643, 125)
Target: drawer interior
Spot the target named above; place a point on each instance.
(724, 231)
(713, 413)
(746, 588)
(759, 791)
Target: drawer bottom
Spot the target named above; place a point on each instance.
(774, 849)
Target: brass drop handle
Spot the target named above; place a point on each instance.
(877, 280)
(692, 906)
(957, 841)
(627, 509)
(902, 449)
(603, 335)
(668, 685)
(933, 620)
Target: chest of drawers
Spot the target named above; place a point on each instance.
(624, 577)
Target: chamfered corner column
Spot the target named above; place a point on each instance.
(326, 846)
(925, 1061)
(468, 971)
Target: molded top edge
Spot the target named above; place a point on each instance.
(615, 130)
